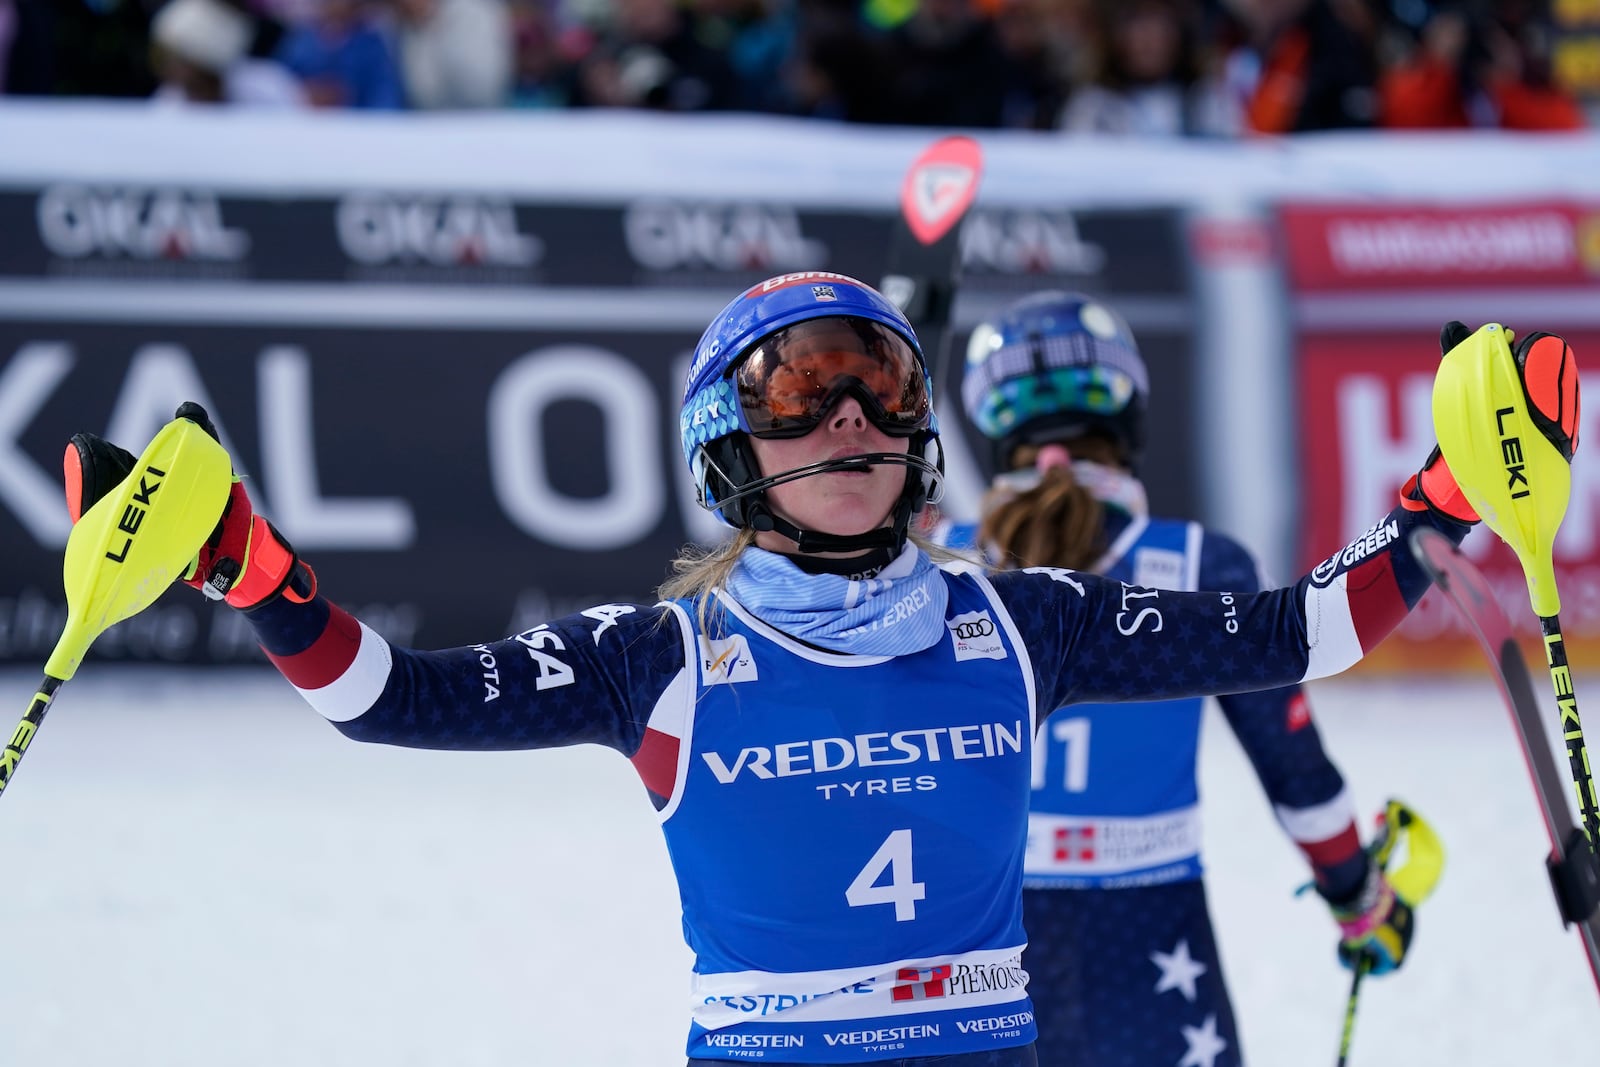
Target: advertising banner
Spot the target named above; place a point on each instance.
(446, 484)
(461, 409)
(1431, 246)
(1365, 386)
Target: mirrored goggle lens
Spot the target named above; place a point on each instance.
(789, 382)
(1090, 390)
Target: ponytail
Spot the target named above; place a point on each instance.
(1057, 523)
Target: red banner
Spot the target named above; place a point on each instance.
(1365, 408)
(1353, 247)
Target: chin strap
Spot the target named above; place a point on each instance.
(891, 537)
(857, 568)
(757, 515)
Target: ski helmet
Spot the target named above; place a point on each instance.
(1054, 365)
(718, 415)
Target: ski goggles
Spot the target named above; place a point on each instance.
(789, 382)
(1094, 390)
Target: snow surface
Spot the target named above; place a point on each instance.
(198, 871)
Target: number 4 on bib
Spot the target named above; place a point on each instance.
(902, 892)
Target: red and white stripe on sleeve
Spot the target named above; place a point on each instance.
(343, 672)
(1325, 832)
(664, 749)
(1347, 616)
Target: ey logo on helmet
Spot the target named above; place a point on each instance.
(975, 636)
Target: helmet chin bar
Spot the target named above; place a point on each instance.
(753, 511)
(762, 518)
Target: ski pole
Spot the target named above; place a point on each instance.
(1381, 850)
(124, 552)
(1507, 424)
(1574, 869)
(1362, 967)
(1413, 883)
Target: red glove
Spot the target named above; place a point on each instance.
(245, 561)
(1550, 379)
(1434, 488)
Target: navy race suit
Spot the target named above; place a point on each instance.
(1131, 976)
(883, 924)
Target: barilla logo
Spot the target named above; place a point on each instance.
(805, 277)
(133, 514)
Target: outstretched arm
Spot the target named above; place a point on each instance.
(1095, 639)
(1278, 733)
(1092, 639)
(591, 677)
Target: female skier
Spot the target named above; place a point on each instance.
(835, 730)
(1123, 968)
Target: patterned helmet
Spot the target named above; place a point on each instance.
(712, 421)
(1056, 365)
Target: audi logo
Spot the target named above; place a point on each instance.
(968, 630)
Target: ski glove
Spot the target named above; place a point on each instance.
(1374, 925)
(245, 561)
(1549, 379)
(1376, 920)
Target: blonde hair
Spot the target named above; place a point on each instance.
(1057, 523)
(698, 570)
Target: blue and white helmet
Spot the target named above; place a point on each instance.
(1054, 365)
(713, 427)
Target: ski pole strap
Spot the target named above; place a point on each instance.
(1417, 874)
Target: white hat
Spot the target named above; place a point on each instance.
(207, 33)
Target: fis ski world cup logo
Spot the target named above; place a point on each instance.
(975, 636)
(726, 661)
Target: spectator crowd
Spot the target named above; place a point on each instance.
(1147, 67)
